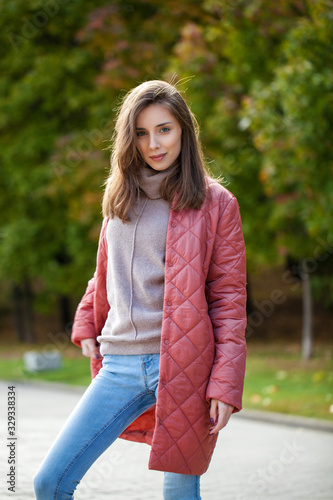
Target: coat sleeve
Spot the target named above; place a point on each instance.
(84, 326)
(226, 296)
(84, 321)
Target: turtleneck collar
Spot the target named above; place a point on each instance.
(150, 181)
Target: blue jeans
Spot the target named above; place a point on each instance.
(125, 387)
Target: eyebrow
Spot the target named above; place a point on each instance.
(159, 125)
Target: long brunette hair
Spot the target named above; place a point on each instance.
(185, 187)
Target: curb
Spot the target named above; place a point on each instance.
(284, 419)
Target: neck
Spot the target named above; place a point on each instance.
(150, 181)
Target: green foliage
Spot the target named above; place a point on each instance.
(291, 120)
(46, 93)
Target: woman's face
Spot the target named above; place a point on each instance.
(158, 136)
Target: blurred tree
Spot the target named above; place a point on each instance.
(46, 92)
(291, 119)
(135, 39)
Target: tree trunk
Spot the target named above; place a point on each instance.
(307, 329)
(249, 302)
(65, 313)
(23, 315)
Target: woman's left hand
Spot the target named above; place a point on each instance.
(219, 415)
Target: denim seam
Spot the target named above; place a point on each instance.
(87, 445)
(198, 488)
(144, 366)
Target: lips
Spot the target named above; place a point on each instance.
(158, 157)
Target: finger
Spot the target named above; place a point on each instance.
(213, 413)
(90, 349)
(94, 353)
(224, 412)
(216, 427)
(85, 348)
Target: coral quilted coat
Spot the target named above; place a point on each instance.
(203, 346)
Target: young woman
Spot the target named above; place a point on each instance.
(163, 318)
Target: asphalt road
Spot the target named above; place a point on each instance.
(254, 459)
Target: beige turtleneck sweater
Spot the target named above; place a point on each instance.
(135, 273)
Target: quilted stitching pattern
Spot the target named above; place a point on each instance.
(202, 345)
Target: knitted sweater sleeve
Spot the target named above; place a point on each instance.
(226, 295)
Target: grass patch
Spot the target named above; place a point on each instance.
(74, 371)
(276, 378)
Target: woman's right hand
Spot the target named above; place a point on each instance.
(90, 349)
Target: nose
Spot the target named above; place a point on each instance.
(153, 142)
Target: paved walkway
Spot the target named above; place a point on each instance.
(254, 460)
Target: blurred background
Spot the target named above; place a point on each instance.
(258, 74)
